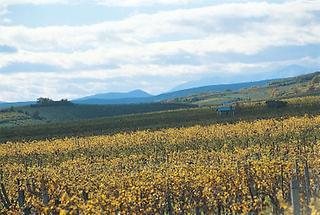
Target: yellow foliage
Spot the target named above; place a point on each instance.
(241, 168)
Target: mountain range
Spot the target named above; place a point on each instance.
(140, 96)
(222, 78)
(135, 96)
(116, 95)
(15, 104)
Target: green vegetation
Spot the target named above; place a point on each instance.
(247, 111)
(305, 85)
(12, 117)
(46, 102)
(276, 104)
(44, 114)
(76, 112)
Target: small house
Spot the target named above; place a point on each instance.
(225, 111)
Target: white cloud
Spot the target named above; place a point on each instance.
(142, 37)
(134, 43)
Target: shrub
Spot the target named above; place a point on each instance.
(276, 104)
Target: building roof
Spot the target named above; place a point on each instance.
(224, 108)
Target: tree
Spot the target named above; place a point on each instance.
(49, 102)
(44, 101)
(276, 104)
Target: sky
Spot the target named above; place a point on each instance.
(74, 48)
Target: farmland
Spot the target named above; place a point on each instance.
(246, 167)
(183, 117)
(263, 160)
(33, 114)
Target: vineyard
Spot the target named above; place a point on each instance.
(266, 166)
(185, 117)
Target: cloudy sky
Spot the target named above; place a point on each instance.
(73, 48)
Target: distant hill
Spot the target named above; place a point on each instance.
(196, 87)
(211, 88)
(97, 101)
(282, 72)
(298, 86)
(15, 104)
(116, 95)
(139, 96)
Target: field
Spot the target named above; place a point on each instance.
(9, 117)
(246, 167)
(35, 115)
(187, 161)
(78, 112)
(183, 117)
